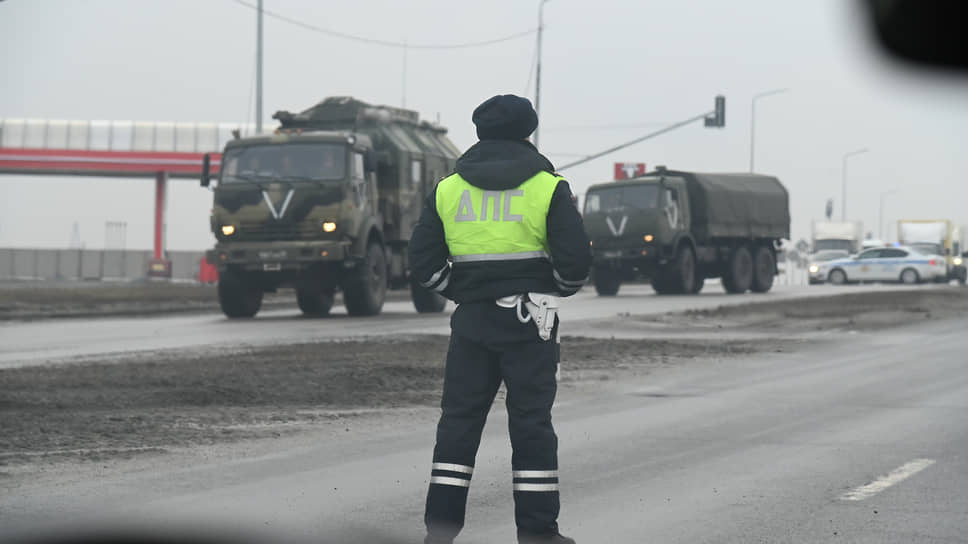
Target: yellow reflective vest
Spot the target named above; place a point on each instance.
(482, 225)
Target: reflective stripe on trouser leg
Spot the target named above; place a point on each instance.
(529, 374)
(471, 380)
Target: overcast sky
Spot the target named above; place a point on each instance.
(606, 63)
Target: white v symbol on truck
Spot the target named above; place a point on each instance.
(621, 226)
(272, 208)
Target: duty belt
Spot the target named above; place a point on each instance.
(542, 310)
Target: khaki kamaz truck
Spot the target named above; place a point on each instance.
(325, 204)
(678, 228)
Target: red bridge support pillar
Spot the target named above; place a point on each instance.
(159, 266)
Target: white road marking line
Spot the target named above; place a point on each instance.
(896, 476)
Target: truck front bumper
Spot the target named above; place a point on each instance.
(276, 256)
(631, 261)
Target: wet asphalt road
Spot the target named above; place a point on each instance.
(26, 343)
(862, 440)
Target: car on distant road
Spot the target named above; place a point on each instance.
(885, 264)
(816, 260)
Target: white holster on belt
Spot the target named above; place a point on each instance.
(542, 310)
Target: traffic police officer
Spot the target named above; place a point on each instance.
(502, 237)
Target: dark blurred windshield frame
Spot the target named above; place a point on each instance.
(922, 33)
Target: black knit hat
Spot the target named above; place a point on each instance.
(505, 117)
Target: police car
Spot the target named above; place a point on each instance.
(890, 264)
(817, 260)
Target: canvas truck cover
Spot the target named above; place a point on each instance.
(736, 205)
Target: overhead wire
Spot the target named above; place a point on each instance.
(384, 43)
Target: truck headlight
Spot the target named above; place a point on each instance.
(329, 226)
(957, 261)
(814, 269)
(228, 230)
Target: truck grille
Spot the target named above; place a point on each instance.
(276, 231)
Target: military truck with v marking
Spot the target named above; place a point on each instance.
(325, 204)
(676, 229)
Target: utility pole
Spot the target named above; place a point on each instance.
(843, 181)
(753, 120)
(537, 72)
(258, 72)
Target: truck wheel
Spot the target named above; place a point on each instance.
(365, 291)
(660, 284)
(607, 281)
(700, 282)
(764, 270)
(739, 271)
(682, 277)
(314, 301)
(237, 297)
(425, 300)
(909, 276)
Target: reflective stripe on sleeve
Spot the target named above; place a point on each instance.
(500, 256)
(443, 285)
(536, 487)
(446, 480)
(568, 283)
(451, 467)
(436, 277)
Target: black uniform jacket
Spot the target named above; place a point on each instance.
(498, 165)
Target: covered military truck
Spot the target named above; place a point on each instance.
(325, 203)
(678, 228)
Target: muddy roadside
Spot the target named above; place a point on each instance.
(99, 410)
(38, 300)
(847, 312)
(142, 405)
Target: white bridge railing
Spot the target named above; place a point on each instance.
(118, 135)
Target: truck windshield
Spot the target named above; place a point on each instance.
(845, 245)
(636, 197)
(925, 248)
(284, 162)
(829, 255)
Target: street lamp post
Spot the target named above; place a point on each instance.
(753, 119)
(537, 71)
(843, 181)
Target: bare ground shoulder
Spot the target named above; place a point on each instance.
(135, 405)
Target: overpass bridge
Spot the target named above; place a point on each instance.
(128, 149)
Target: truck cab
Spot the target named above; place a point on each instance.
(641, 217)
(325, 204)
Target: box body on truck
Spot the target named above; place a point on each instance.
(678, 228)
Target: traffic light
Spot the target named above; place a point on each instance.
(717, 118)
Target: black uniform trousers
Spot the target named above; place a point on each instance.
(488, 345)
